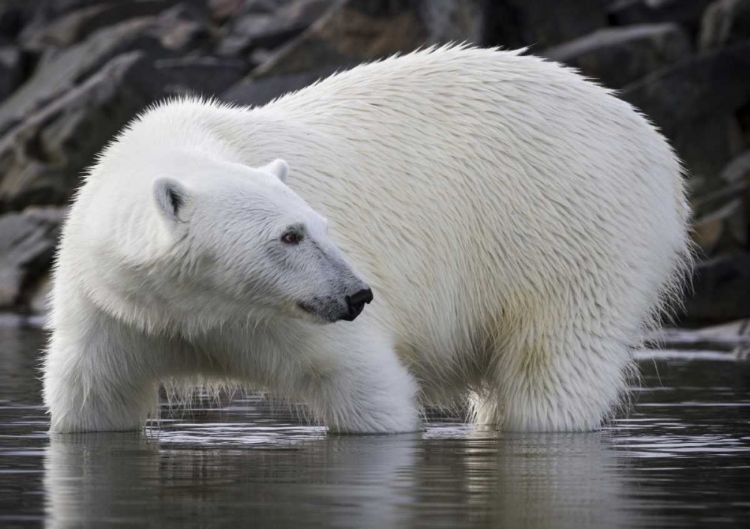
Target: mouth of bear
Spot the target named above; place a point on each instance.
(309, 309)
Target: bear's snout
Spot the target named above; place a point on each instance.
(356, 303)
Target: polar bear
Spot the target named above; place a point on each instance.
(516, 227)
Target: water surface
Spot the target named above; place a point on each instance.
(680, 458)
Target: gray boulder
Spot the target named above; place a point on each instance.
(272, 28)
(73, 65)
(76, 25)
(724, 230)
(724, 22)
(541, 23)
(619, 56)
(27, 245)
(694, 103)
(714, 84)
(11, 70)
(721, 291)
(356, 31)
(14, 15)
(738, 170)
(44, 155)
(685, 12)
(195, 75)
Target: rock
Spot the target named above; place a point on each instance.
(725, 337)
(542, 23)
(44, 156)
(183, 28)
(258, 92)
(353, 32)
(49, 10)
(722, 231)
(74, 26)
(73, 65)
(714, 84)
(705, 145)
(721, 288)
(270, 30)
(221, 10)
(11, 70)
(176, 31)
(197, 75)
(724, 22)
(618, 56)
(27, 245)
(738, 170)
(14, 15)
(694, 103)
(685, 12)
(362, 30)
(38, 294)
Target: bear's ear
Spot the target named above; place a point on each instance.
(279, 168)
(172, 199)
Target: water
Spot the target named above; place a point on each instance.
(681, 458)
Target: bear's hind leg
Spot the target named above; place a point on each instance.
(567, 384)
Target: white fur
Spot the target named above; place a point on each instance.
(520, 228)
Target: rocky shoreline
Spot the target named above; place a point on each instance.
(73, 72)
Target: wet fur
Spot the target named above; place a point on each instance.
(521, 227)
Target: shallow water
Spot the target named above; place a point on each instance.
(681, 458)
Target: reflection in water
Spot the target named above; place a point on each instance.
(680, 458)
(95, 478)
(450, 475)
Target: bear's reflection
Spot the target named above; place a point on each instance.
(448, 476)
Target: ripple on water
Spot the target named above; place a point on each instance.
(679, 457)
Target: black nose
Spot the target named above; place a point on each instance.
(356, 303)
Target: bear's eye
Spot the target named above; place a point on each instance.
(291, 237)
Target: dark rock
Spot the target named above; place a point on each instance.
(42, 157)
(353, 32)
(705, 145)
(721, 291)
(74, 26)
(197, 75)
(685, 12)
(729, 337)
(738, 170)
(723, 217)
(49, 10)
(723, 231)
(222, 10)
(27, 245)
(14, 16)
(694, 103)
(11, 70)
(542, 23)
(453, 20)
(714, 84)
(258, 92)
(183, 28)
(618, 56)
(73, 65)
(362, 30)
(270, 30)
(724, 22)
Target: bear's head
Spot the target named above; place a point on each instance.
(242, 235)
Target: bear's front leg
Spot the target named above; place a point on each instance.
(355, 383)
(99, 376)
